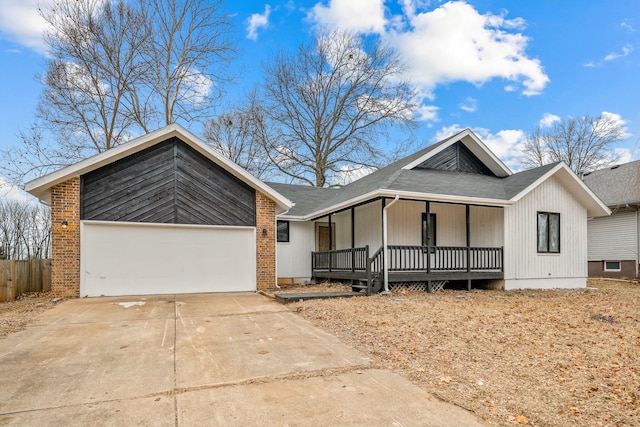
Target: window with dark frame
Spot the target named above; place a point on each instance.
(282, 231)
(431, 236)
(548, 232)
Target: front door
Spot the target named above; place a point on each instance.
(322, 237)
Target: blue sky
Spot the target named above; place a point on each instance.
(498, 67)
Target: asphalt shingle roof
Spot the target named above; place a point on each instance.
(617, 185)
(429, 181)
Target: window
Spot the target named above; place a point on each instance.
(548, 232)
(612, 266)
(431, 236)
(283, 231)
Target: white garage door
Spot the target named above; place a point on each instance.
(141, 259)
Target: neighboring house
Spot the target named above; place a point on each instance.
(613, 242)
(163, 213)
(452, 212)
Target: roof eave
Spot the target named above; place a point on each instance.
(595, 207)
(41, 187)
(407, 195)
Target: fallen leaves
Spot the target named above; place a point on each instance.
(565, 357)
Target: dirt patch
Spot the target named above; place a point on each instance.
(542, 358)
(15, 315)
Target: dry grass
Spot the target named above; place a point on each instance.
(15, 315)
(543, 358)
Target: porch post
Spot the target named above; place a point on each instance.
(330, 241)
(468, 248)
(353, 240)
(428, 241)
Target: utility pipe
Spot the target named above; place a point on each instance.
(384, 243)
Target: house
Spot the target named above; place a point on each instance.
(164, 213)
(613, 241)
(450, 213)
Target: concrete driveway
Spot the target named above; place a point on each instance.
(198, 360)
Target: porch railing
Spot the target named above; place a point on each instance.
(444, 258)
(411, 258)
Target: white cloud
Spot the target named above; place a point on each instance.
(548, 120)
(453, 42)
(426, 113)
(505, 144)
(11, 192)
(257, 21)
(627, 25)
(196, 87)
(21, 23)
(469, 105)
(618, 121)
(350, 173)
(456, 43)
(365, 16)
(624, 155)
(626, 50)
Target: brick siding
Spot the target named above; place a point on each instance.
(65, 242)
(265, 245)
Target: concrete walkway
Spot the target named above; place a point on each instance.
(198, 360)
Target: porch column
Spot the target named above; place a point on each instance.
(330, 241)
(428, 241)
(468, 246)
(353, 240)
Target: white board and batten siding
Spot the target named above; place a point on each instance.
(524, 267)
(120, 258)
(294, 257)
(613, 238)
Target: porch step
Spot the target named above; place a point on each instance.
(284, 298)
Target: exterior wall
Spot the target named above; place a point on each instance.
(627, 269)
(65, 242)
(265, 244)
(294, 256)
(369, 226)
(524, 267)
(486, 223)
(614, 237)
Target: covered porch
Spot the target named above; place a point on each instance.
(410, 241)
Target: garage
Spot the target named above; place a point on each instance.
(142, 259)
(160, 214)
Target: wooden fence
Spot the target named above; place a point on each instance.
(19, 277)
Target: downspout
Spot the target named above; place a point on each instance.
(384, 243)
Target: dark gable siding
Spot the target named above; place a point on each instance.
(167, 183)
(457, 158)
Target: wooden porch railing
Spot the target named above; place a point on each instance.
(411, 258)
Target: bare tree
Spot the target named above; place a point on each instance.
(331, 104)
(25, 230)
(117, 69)
(189, 53)
(240, 136)
(583, 143)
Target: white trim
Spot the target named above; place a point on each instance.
(161, 225)
(41, 187)
(604, 266)
(498, 167)
(433, 197)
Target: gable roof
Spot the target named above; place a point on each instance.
(471, 141)
(618, 185)
(41, 187)
(405, 179)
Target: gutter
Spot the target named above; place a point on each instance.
(384, 243)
